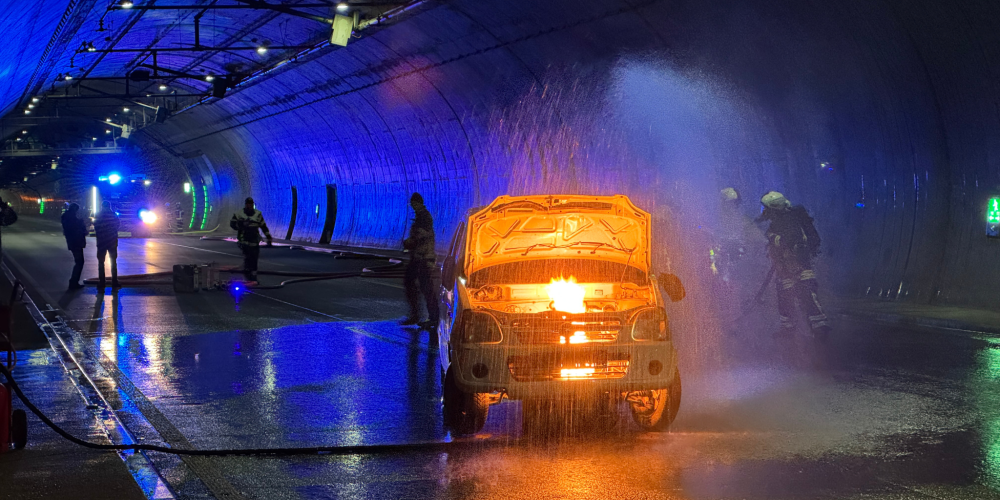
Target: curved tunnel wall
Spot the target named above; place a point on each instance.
(877, 116)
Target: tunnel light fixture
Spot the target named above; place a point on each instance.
(24, 131)
(205, 208)
(163, 86)
(68, 77)
(18, 139)
(26, 178)
(27, 111)
(107, 120)
(146, 183)
(126, 4)
(90, 47)
(209, 78)
(93, 199)
(125, 110)
(31, 106)
(107, 131)
(34, 99)
(187, 187)
(993, 218)
(342, 7)
(262, 50)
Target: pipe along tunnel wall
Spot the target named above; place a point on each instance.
(879, 117)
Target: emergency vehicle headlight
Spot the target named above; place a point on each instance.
(480, 328)
(651, 324)
(147, 216)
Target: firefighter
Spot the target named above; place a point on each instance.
(792, 244)
(106, 227)
(75, 231)
(248, 223)
(420, 269)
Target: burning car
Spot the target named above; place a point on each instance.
(553, 297)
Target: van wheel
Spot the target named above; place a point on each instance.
(464, 413)
(655, 410)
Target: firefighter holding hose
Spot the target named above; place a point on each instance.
(248, 224)
(793, 243)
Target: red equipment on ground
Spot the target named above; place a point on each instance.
(13, 423)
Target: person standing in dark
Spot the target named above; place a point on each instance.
(420, 269)
(75, 231)
(7, 215)
(793, 243)
(248, 224)
(106, 230)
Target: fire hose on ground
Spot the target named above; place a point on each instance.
(311, 450)
(392, 270)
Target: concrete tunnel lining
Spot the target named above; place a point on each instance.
(666, 102)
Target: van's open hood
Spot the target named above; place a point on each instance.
(515, 228)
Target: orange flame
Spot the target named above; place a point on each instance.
(566, 295)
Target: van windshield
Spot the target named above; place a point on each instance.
(544, 270)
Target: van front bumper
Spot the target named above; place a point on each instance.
(559, 371)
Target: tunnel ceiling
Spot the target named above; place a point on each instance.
(878, 116)
(69, 60)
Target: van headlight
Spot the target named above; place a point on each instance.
(480, 328)
(651, 324)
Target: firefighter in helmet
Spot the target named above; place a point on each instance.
(792, 244)
(248, 224)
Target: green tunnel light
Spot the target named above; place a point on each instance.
(205, 210)
(993, 218)
(194, 206)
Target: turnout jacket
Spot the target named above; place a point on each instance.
(792, 235)
(106, 229)
(421, 240)
(248, 227)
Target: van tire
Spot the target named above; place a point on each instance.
(659, 407)
(464, 413)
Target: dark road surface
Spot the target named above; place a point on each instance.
(905, 413)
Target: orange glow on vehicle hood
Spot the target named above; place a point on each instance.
(516, 228)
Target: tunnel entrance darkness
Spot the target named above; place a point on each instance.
(331, 214)
(295, 210)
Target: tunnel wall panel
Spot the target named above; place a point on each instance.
(872, 115)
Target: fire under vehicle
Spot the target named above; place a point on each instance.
(552, 298)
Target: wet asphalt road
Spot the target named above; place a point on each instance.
(904, 413)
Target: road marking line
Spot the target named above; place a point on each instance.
(201, 249)
(334, 316)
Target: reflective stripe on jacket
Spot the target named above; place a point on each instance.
(248, 227)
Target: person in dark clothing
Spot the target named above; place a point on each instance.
(75, 231)
(420, 269)
(793, 243)
(248, 224)
(7, 215)
(106, 230)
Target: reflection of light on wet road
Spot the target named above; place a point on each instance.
(986, 387)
